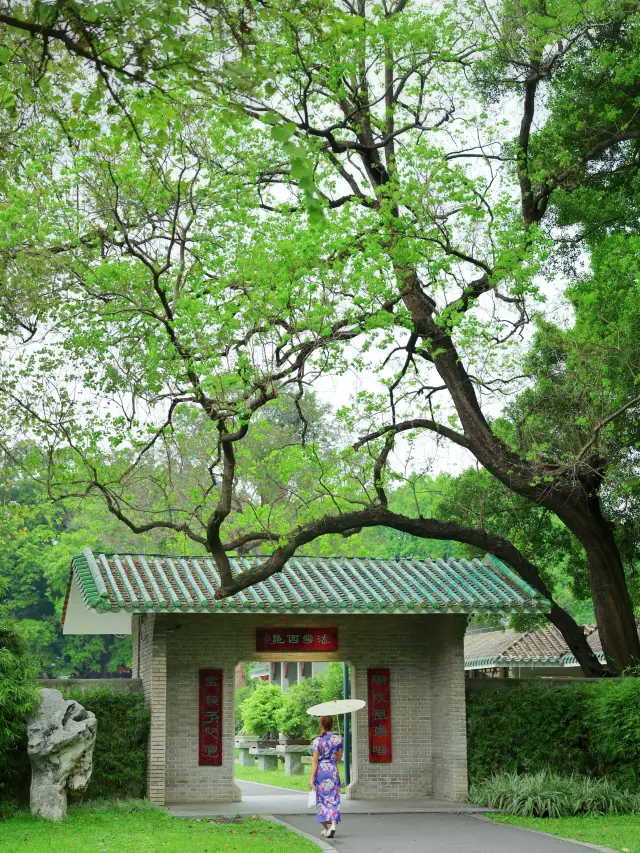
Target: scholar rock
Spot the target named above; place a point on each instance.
(61, 736)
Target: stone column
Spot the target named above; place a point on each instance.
(448, 708)
(291, 678)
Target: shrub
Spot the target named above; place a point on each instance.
(546, 794)
(332, 682)
(586, 729)
(260, 708)
(613, 718)
(120, 755)
(292, 718)
(241, 694)
(527, 729)
(19, 694)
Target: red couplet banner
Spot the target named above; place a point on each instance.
(379, 705)
(210, 718)
(296, 639)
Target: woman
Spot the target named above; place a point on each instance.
(327, 751)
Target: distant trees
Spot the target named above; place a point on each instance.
(18, 694)
(267, 709)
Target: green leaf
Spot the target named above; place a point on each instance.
(283, 132)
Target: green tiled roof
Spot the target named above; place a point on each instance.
(157, 584)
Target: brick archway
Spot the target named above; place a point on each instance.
(406, 616)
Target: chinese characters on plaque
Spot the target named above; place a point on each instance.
(296, 639)
(210, 717)
(379, 705)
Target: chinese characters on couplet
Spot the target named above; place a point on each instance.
(379, 706)
(210, 718)
(296, 639)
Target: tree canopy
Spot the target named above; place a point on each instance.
(441, 200)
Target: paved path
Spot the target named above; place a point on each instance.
(388, 826)
(431, 833)
(268, 800)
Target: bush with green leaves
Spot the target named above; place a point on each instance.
(613, 720)
(292, 718)
(19, 695)
(259, 710)
(241, 694)
(547, 794)
(120, 754)
(332, 682)
(527, 729)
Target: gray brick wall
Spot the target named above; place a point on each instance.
(425, 658)
(151, 635)
(448, 710)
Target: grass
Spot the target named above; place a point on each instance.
(277, 777)
(137, 827)
(273, 777)
(619, 832)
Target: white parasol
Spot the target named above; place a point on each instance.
(336, 707)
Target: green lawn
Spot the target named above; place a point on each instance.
(123, 828)
(620, 832)
(277, 777)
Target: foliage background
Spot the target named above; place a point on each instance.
(266, 708)
(18, 696)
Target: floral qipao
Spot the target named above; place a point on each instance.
(327, 781)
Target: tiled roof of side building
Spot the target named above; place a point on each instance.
(153, 583)
(503, 648)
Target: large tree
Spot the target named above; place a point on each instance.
(378, 94)
(182, 274)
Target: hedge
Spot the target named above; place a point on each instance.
(590, 729)
(120, 754)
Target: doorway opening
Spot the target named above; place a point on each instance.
(274, 734)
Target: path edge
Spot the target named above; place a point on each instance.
(547, 834)
(319, 842)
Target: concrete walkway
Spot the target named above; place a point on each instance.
(432, 833)
(388, 826)
(269, 800)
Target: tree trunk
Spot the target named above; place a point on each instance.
(609, 592)
(576, 503)
(577, 642)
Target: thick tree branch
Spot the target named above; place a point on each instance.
(414, 423)
(424, 528)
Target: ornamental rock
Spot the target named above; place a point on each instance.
(61, 736)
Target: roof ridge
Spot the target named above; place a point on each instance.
(262, 556)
